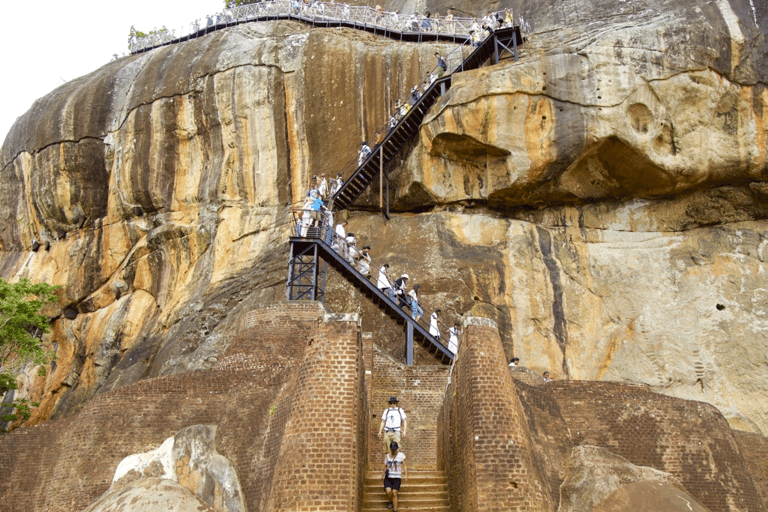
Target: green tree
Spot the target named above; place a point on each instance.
(138, 34)
(22, 326)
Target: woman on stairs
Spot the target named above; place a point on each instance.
(394, 473)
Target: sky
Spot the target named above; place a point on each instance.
(46, 43)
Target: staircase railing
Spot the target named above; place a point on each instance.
(321, 14)
(312, 242)
(405, 121)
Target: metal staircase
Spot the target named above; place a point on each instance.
(311, 253)
(306, 281)
(395, 140)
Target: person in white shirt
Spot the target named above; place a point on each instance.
(365, 150)
(383, 283)
(434, 329)
(453, 338)
(393, 424)
(364, 264)
(341, 238)
(322, 189)
(394, 474)
(513, 362)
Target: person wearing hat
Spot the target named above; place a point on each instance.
(394, 473)
(393, 424)
(401, 289)
(364, 261)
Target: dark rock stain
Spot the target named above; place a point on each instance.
(559, 327)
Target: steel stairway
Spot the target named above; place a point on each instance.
(396, 139)
(306, 281)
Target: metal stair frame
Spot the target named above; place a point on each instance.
(315, 245)
(409, 125)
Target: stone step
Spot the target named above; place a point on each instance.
(425, 491)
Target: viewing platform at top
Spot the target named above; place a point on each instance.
(408, 28)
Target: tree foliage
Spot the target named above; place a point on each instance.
(134, 34)
(22, 326)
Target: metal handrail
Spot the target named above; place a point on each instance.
(455, 61)
(325, 233)
(311, 11)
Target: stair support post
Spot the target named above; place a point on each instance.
(409, 343)
(514, 41)
(290, 276)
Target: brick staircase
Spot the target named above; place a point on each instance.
(425, 491)
(420, 390)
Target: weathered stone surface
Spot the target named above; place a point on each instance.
(648, 496)
(150, 495)
(595, 474)
(190, 459)
(602, 199)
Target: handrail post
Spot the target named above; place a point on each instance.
(381, 177)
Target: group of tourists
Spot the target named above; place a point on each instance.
(317, 216)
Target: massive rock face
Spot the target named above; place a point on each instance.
(602, 198)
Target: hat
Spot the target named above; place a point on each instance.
(405, 276)
(393, 445)
(393, 399)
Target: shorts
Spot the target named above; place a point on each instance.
(392, 483)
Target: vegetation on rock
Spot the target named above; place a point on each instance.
(22, 326)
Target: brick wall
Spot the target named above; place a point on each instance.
(64, 465)
(485, 446)
(420, 390)
(691, 440)
(322, 456)
(754, 450)
(267, 397)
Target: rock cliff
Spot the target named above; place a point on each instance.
(603, 198)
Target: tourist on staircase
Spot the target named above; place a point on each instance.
(442, 66)
(453, 338)
(413, 299)
(352, 252)
(341, 238)
(365, 150)
(394, 474)
(434, 328)
(364, 264)
(336, 184)
(322, 188)
(401, 286)
(393, 424)
(383, 283)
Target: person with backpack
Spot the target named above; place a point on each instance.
(442, 66)
(365, 150)
(393, 424)
(401, 288)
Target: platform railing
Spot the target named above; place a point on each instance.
(315, 11)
